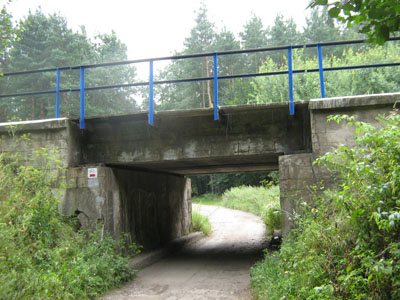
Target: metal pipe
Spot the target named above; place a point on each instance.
(216, 116)
(321, 71)
(57, 114)
(127, 62)
(82, 99)
(200, 79)
(290, 71)
(151, 90)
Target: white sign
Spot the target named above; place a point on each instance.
(92, 173)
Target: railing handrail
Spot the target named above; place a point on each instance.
(215, 76)
(195, 55)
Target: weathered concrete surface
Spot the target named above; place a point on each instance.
(298, 175)
(247, 138)
(152, 208)
(58, 136)
(214, 268)
(327, 136)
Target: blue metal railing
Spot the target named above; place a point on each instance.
(215, 78)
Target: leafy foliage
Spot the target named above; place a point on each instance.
(200, 223)
(41, 255)
(379, 19)
(219, 183)
(346, 246)
(342, 83)
(8, 34)
(262, 201)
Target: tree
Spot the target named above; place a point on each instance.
(283, 33)
(320, 27)
(378, 19)
(193, 94)
(47, 42)
(8, 33)
(339, 83)
(254, 36)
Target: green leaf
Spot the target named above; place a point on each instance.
(334, 12)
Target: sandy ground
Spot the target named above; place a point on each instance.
(215, 267)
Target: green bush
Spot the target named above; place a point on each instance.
(41, 255)
(207, 199)
(200, 223)
(347, 246)
(262, 201)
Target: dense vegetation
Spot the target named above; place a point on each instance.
(42, 255)
(262, 201)
(379, 19)
(347, 246)
(201, 223)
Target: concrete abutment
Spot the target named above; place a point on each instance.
(300, 178)
(152, 209)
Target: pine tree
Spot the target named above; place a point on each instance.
(47, 42)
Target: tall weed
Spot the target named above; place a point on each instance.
(201, 223)
(41, 256)
(347, 246)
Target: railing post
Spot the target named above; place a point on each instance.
(57, 113)
(290, 72)
(82, 98)
(321, 71)
(151, 94)
(216, 116)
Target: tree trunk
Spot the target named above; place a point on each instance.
(42, 110)
(33, 109)
(65, 101)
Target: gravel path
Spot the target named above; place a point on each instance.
(215, 267)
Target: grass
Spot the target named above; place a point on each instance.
(208, 199)
(201, 223)
(262, 201)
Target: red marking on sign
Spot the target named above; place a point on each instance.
(92, 175)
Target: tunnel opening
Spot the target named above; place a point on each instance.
(243, 209)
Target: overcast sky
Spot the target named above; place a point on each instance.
(152, 28)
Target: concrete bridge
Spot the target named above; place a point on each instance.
(128, 176)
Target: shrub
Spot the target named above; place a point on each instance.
(41, 256)
(207, 199)
(348, 245)
(200, 223)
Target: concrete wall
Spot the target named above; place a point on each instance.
(152, 208)
(59, 136)
(298, 175)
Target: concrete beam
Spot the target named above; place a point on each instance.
(250, 137)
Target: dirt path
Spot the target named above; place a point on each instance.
(215, 267)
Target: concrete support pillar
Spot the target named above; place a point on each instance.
(151, 208)
(297, 175)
